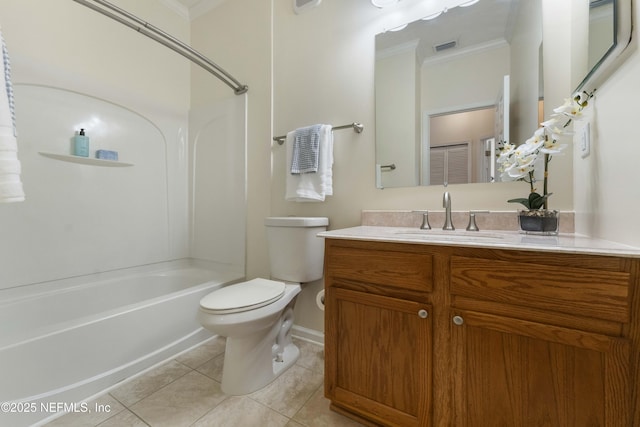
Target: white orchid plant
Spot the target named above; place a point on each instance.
(519, 162)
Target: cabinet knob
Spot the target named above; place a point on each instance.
(458, 320)
(423, 314)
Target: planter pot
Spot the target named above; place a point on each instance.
(541, 221)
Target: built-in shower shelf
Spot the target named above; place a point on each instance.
(85, 160)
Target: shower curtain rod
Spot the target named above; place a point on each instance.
(167, 40)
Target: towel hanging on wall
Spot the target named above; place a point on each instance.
(306, 146)
(310, 186)
(10, 183)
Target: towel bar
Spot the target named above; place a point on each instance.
(357, 128)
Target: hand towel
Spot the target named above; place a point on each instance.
(311, 187)
(306, 145)
(10, 185)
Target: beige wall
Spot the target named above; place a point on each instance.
(64, 44)
(396, 117)
(525, 70)
(240, 42)
(607, 197)
(462, 74)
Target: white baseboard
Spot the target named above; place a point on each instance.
(307, 334)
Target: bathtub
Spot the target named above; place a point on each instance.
(64, 341)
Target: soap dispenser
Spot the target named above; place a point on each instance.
(81, 144)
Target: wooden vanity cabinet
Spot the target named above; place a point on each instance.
(378, 333)
(512, 338)
(537, 340)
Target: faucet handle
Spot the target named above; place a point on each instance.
(472, 220)
(425, 220)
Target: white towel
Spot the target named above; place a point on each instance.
(7, 142)
(10, 168)
(311, 187)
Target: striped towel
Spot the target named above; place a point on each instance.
(311, 187)
(10, 168)
(306, 147)
(8, 85)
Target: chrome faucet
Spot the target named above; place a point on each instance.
(446, 204)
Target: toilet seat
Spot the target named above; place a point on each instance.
(244, 296)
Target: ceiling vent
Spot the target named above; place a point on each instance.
(445, 46)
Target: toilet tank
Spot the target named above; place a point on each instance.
(296, 254)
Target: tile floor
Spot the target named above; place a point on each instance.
(186, 392)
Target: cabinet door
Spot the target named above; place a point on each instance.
(510, 372)
(378, 357)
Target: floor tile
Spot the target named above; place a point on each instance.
(316, 413)
(311, 355)
(213, 368)
(180, 403)
(239, 411)
(109, 408)
(186, 392)
(290, 391)
(122, 419)
(140, 387)
(203, 353)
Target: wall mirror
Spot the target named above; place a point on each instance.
(449, 88)
(609, 24)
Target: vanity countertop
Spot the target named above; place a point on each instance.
(492, 239)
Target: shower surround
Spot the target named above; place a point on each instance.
(110, 261)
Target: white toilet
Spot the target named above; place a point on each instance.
(256, 316)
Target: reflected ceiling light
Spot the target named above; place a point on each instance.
(433, 15)
(383, 3)
(468, 3)
(401, 27)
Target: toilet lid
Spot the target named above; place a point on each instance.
(243, 296)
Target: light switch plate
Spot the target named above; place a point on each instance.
(585, 140)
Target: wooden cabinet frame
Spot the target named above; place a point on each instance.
(552, 325)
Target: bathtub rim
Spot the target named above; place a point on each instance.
(39, 289)
(223, 274)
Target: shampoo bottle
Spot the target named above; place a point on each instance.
(81, 144)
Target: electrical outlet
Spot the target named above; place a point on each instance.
(585, 141)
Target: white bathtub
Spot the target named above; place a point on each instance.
(64, 341)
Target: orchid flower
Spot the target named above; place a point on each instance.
(518, 163)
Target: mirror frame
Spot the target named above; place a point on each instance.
(623, 27)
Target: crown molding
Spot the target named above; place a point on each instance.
(196, 8)
(180, 9)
